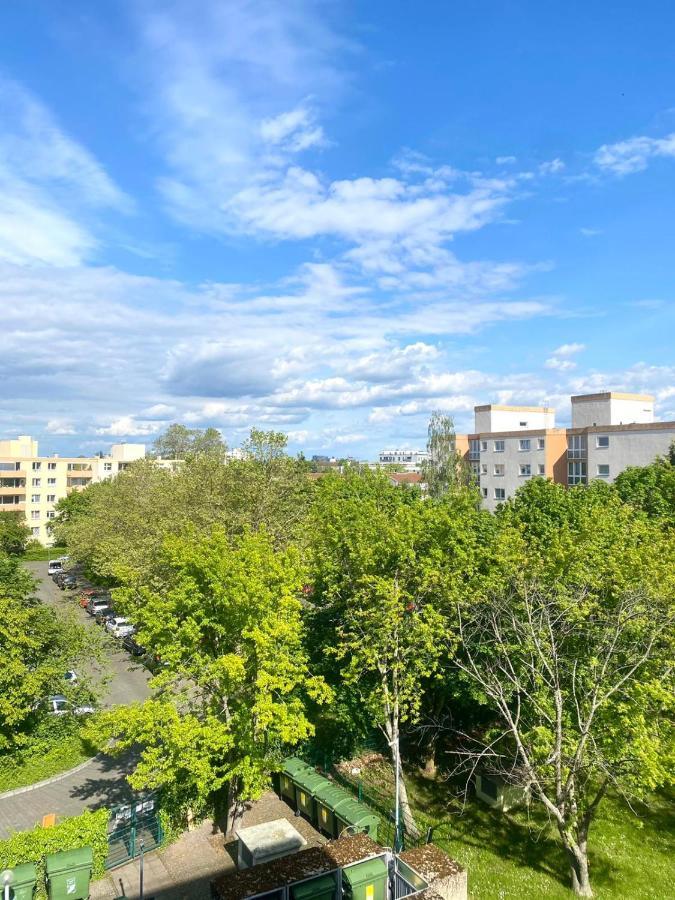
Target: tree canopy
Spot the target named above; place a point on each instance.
(14, 533)
(181, 442)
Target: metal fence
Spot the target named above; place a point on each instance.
(130, 825)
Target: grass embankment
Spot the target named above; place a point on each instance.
(41, 554)
(519, 855)
(49, 754)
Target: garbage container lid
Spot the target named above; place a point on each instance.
(354, 812)
(369, 870)
(325, 884)
(309, 780)
(67, 860)
(331, 794)
(23, 875)
(293, 764)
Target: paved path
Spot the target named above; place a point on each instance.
(102, 781)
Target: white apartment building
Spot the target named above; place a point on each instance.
(610, 432)
(32, 484)
(409, 460)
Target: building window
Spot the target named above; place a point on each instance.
(107, 467)
(36, 482)
(51, 481)
(35, 514)
(51, 514)
(603, 469)
(541, 443)
(499, 470)
(51, 498)
(576, 446)
(602, 441)
(35, 498)
(525, 470)
(483, 469)
(542, 469)
(36, 531)
(483, 446)
(37, 466)
(524, 444)
(523, 424)
(484, 492)
(499, 446)
(500, 494)
(576, 473)
(51, 466)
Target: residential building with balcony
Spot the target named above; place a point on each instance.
(408, 460)
(610, 431)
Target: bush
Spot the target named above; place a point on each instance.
(86, 830)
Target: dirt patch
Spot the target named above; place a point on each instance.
(430, 862)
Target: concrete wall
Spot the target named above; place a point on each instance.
(508, 418)
(626, 448)
(611, 409)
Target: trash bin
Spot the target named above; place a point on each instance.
(327, 798)
(69, 874)
(22, 884)
(306, 783)
(322, 888)
(357, 818)
(366, 880)
(291, 767)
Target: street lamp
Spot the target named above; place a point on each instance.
(7, 879)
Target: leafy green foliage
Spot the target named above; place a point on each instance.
(14, 533)
(651, 488)
(55, 745)
(230, 695)
(180, 442)
(443, 470)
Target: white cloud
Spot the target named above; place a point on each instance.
(295, 129)
(128, 426)
(60, 426)
(505, 160)
(551, 167)
(560, 358)
(590, 232)
(561, 365)
(634, 154)
(568, 349)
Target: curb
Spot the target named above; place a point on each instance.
(47, 781)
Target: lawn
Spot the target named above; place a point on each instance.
(518, 855)
(49, 755)
(40, 554)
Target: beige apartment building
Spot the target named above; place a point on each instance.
(32, 484)
(610, 432)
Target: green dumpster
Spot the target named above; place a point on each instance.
(322, 888)
(305, 784)
(69, 873)
(357, 818)
(291, 767)
(327, 798)
(366, 880)
(22, 883)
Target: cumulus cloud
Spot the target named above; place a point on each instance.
(128, 426)
(560, 358)
(60, 426)
(634, 154)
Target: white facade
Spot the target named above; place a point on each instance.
(495, 417)
(611, 408)
(410, 460)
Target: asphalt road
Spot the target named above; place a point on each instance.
(101, 782)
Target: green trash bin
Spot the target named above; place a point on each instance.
(305, 784)
(322, 888)
(366, 880)
(291, 767)
(357, 818)
(327, 798)
(69, 874)
(22, 885)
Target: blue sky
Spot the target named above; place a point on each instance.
(330, 218)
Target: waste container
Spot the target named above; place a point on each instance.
(69, 874)
(327, 798)
(291, 767)
(357, 818)
(306, 783)
(322, 888)
(22, 883)
(366, 880)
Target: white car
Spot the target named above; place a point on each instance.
(54, 566)
(119, 627)
(58, 705)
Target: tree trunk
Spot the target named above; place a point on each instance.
(406, 812)
(577, 854)
(235, 808)
(430, 766)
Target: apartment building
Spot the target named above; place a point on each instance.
(32, 484)
(610, 431)
(409, 460)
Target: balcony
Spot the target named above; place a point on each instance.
(12, 488)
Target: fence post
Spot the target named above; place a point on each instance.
(360, 791)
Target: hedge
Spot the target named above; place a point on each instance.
(90, 829)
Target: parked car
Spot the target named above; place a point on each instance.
(119, 627)
(54, 566)
(103, 615)
(71, 677)
(131, 646)
(96, 604)
(58, 705)
(68, 583)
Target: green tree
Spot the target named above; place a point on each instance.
(651, 488)
(229, 699)
(14, 533)
(443, 469)
(387, 568)
(180, 442)
(68, 509)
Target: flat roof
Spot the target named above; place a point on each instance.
(611, 395)
(498, 406)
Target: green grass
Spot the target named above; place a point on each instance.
(519, 855)
(43, 759)
(40, 554)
